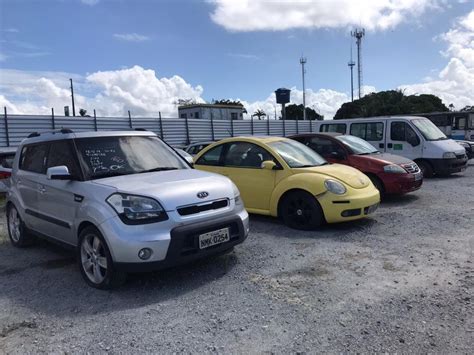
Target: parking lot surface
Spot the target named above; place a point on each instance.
(401, 280)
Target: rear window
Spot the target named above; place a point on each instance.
(6, 160)
(33, 158)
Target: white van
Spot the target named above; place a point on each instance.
(415, 138)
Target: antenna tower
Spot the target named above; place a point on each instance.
(303, 72)
(358, 33)
(351, 64)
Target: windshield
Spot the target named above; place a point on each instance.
(357, 145)
(297, 155)
(429, 130)
(123, 155)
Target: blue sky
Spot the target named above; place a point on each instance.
(180, 38)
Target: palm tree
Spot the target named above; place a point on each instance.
(259, 113)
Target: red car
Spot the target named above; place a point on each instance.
(391, 174)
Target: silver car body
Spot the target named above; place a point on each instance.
(59, 209)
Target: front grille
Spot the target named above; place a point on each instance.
(460, 156)
(412, 168)
(202, 207)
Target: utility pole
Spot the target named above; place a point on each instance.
(358, 34)
(303, 71)
(351, 66)
(72, 96)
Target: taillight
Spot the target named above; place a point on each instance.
(5, 175)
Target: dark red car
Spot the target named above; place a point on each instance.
(391, 174)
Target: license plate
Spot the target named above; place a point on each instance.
(418, 176)
(207, 240)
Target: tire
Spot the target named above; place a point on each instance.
(17, 231)
(425, 168)
(300, 210)
(95, 261)
(378, 184)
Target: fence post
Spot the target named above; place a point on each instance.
(268, 126)
(130, 119)
(231, 127)
(162, 134)
(6, 126)
(311, 125)
(52, 118)
(251, 123)
(297, 130)
(212, 126)
(187, 130)
(95, 121)
(284, 130)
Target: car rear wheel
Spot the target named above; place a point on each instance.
(95, 261)
(300, 210)
(425, 168)
(19, 235)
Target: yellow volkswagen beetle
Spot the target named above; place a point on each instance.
(281, 177)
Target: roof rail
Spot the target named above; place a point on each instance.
(62, 130)
(141, 129)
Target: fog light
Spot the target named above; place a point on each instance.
(145, 253)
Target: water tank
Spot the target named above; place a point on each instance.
(282, 95)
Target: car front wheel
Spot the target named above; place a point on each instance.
(95, 261)
(301, 210)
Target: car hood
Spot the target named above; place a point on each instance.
(387, 158)
(348, 175)
(173, 188)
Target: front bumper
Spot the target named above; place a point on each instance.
(449, 166)
(359, 203)
(171, 243)
(400, 183)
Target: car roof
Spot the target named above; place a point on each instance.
(261, 139)
(38, 137)
(329, 134)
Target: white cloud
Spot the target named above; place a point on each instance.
(277, 15)
(131, 37)
(11, 30)
(244, 56)
(90, 2)
(455, 83)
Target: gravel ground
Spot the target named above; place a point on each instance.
(401, 281)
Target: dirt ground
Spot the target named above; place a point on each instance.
(400, 281)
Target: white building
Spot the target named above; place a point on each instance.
(214, 111)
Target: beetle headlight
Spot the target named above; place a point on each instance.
(335, 187)
(395, 169)
(134, 209)
(449, 155)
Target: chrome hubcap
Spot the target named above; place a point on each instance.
(93, 259)
(14, 225)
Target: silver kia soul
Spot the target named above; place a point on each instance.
(125, 200)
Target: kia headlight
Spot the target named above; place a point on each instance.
(449, 155)
(238, 200)
(134, 209)
(394, 169)
(335, 187)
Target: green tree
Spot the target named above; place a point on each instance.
(294, 112)
(392, 102)
(259, 113)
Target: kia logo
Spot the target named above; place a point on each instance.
(202, 194)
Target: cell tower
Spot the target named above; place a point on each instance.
(303, 72)
(358, 33)
(351, 64)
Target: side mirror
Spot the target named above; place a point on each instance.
(58, 173)
(337, 155)
(268, 165)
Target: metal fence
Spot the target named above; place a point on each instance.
(175, 131)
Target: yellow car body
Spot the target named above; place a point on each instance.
(262, 188)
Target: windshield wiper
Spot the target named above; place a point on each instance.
(163, 168)
(107, 174)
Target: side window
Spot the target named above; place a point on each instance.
(336, 127)
(324, 146)
(246, 155)
(460, 122)
(401, 131)
(212, 157)
(370, 131)
(61, 153)
(33, 158)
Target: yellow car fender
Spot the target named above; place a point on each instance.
(309, 182)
